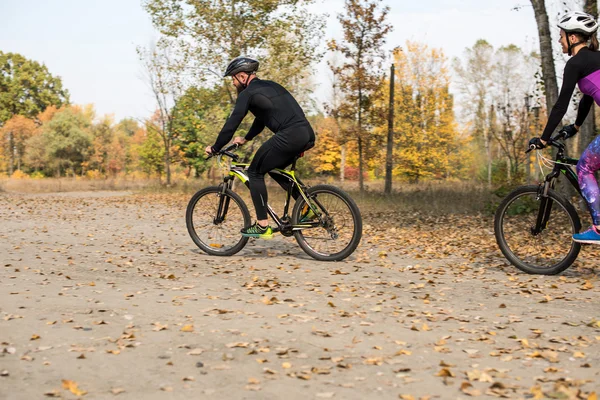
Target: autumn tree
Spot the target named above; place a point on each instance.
(27, 87)
(102, 134)
(125, 130)
(151, 151)
(333, 108)
(162, 69)
(428, 144)
(476, 85)
(326, 157)
(197, 117)
(515, 87)
(127, 126)
(209, 33)
(360, 76)
(14, 134)
(65, 142)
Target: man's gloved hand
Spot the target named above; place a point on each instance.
(536, 143)
(240, 141)
(209, 150)
(568, 131)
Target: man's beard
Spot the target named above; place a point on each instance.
(239, 88)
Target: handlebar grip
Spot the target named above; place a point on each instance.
(231, 147)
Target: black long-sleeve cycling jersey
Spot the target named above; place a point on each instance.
(272, 105)
(582, 69)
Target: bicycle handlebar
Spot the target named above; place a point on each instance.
(553, 141)
(226, 152)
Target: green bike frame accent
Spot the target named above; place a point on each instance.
(238, 170)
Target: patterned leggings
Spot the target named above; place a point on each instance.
(587, 165)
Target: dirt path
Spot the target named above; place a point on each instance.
(106, 290)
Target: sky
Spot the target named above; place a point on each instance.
(91, 44)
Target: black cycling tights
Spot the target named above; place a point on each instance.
(277, 152)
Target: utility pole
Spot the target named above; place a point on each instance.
(390, 137)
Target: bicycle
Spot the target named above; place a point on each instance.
(325, 221)
(539, 213)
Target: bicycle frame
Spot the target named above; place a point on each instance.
(562, 165)
(238, 170)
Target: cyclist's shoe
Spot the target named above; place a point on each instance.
(591, 236)
(307, 214)
(257, 231)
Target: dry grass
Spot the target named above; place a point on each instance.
(53, 185)
(430, 197)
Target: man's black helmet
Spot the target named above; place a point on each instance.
(241, 64)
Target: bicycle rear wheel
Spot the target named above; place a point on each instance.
(534, 234)
(339, 230)
(214, 220)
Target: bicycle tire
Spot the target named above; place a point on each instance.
(356, 219)
(514, 259)
(213, 248)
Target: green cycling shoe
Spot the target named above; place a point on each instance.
(257, 231)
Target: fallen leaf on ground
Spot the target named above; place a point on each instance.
(468, 389)
(187, 328)
(159, 327)
(72, 387)
(237, 344)
(445, 372)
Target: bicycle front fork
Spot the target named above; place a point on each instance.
(223, 205)
(546, 203)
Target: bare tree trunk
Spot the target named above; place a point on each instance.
(11, 151)
(390, 138)
(488, 154)
(591, 7)
(343, 163)
(168, 168)
(489, 160)
(528, 169)
(548, 70)
(361, 183)
(489, 133)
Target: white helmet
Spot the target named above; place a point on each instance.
(578, 22)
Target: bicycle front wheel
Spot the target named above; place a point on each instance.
(339, 230)
(214, 220)
(534, 234)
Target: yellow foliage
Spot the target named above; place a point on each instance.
(427, 141)
(327, 154)
(94, 174)
(18, 174)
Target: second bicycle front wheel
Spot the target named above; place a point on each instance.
(534, 232)
(339, 227)
(214, 220)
